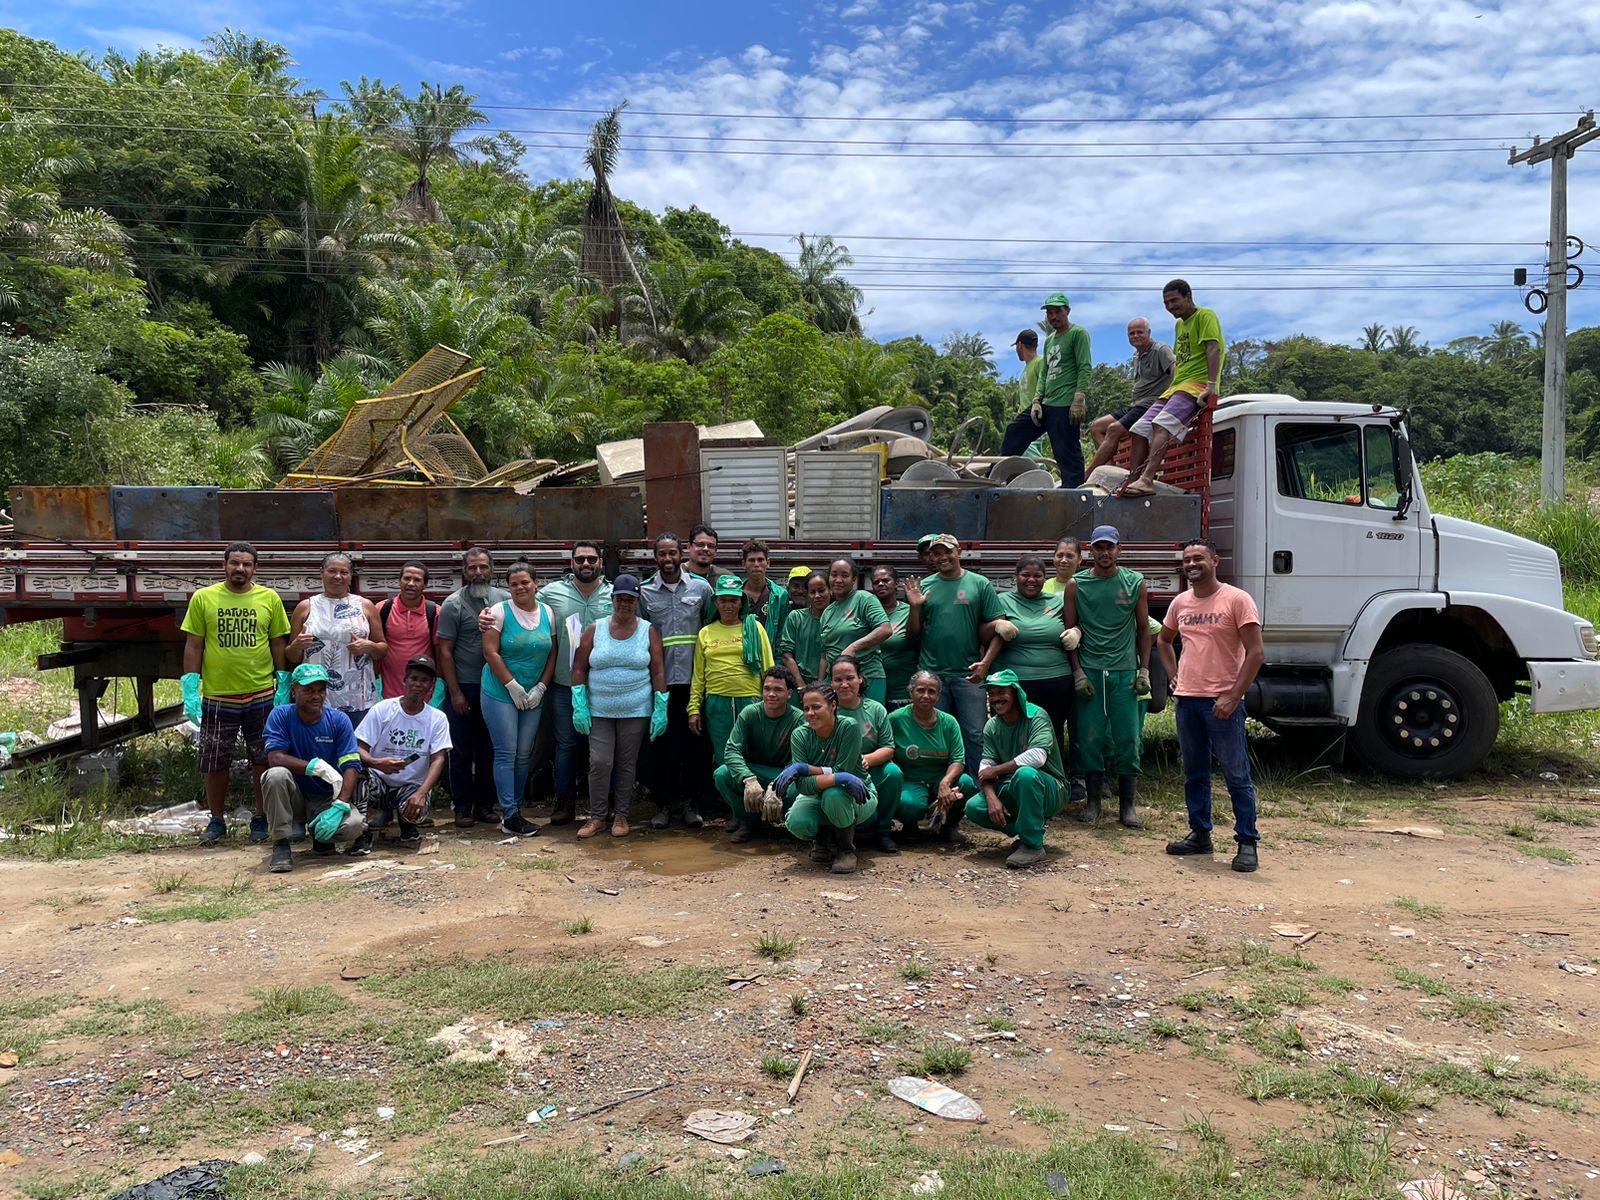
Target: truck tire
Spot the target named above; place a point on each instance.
(1426, 713)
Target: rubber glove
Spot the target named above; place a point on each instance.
(658, 716)
(1006, 629)
(327, 772)
(581, 720)
(787, 777)
(190, 684)
(1141, 682)
(1079, 409)
(1081, 684)
(752, 794)
(853, 786)
(518, 694)
(325, 825)
(536, 694)
(771, 806)
(1070, 638)
(281, 695)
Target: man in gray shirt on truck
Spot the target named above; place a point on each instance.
(1152, 375)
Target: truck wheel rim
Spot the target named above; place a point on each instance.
(1423, 718)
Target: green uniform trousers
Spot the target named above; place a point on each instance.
(719, 714)
(1029, 797)
(914, 800)
(886, 781)
(1110, 725)
(732, 791)
(832, 806)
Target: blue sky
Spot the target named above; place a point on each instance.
(1108, 230)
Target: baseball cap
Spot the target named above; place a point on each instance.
(625, 585)
(310, 673)
(1056, 300)
(798, 573)
(423, 663)
(1105, 533)
(925, 541)
(729, 585)
(1028, 337)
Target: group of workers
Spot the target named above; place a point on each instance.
(834, 711)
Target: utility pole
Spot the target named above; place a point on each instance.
(1553, 459)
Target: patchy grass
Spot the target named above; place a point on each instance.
(1000, 1025)
(798, 1005)
(287, 1014)
(1520, 832)
(882, 1032)
(21, 1030)
(135, 1018)
(775, 947)
(1428, 912)
(779, 1067)
(1428, 985)
(519, 992)
(228, 902)
(1553, 853)
(1339, 1087)
(1483, 1011)
(945, 1058)
(579, 926)
(1565, 814)
(915, 971)
(165, 883)
(1166, 1027)
(1497, 1082)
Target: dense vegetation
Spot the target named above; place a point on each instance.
(201, 269)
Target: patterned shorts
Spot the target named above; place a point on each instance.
(222, 723)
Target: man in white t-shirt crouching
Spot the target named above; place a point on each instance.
(404, 744)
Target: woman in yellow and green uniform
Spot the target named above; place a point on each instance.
(830, 786)
(930, 754)
(729, 656)
(877, 747)
(1021, 781)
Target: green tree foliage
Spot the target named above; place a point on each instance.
(781, 375)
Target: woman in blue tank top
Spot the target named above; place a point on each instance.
(619, 689)
(518, 664)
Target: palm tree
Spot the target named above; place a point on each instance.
(701, 308)
(1372, 338)
(868, 374)
(605, 253)
(302, 409)
(262, 61)
(409, 320)
(832, 299)
(424, 133)
(973, 346)
(1507, 341)
(1403, 340)
(337, 234)
(522, 255)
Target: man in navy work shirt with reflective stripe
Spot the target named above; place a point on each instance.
(674, 602)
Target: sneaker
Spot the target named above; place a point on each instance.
(884, 844)
(282, 858)
(692, 818)
(297, 831)
(519, 826)
(1025, 856)
(1244, 860)
(258, 830)
(1196, 843)
(410, 835)
(324, 848)
(662, 818)
(216, 830)
(362, 845)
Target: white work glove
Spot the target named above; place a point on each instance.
(752, 794)
(535, 695)
(518, 694)
(327, 772)
(1006, 629)
(771, 806)
(1079, 409)
(1070, 638)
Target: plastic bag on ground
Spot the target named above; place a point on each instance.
(202, 1181)
(936, 1098)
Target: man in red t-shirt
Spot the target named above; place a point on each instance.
(1222, 652)
(409, 624)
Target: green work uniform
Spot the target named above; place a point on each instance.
(1067, 366)
(1110, 724)
(1028, 381)
(951, 614)
(802, 640)
(848, 620)
(922, 757)
(1030, 795)
(1036, 652)
(876, 733)
(758, 747)
(899, 655)
(814, 806)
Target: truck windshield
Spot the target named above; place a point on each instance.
(1340, 464)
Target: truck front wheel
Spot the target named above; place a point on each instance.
(1426, 713)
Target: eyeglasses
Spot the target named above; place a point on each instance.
(705, 545)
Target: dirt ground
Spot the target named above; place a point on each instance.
(1114, 988)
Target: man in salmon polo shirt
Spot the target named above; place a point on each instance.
(1221, 633)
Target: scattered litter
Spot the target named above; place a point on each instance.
(548, 1023)
(253, 1159)
(352, 1145)
(469, 1042)
(844, 897)
(381, 864)
(936, 1098)
(172, 821)
(352, 974)
(735, 982)
(636, 1094)
(1005, 1035)
(929, 1183)
(385, 1113)
(716, 1125)
(1431, 1189)
(1055, 1182)
(130, 921)
(1416, 831)
(1402, 931)
(1549, 776)
(501, 1141)
(8, 1058)
(1301, 933)
(1566, 964)
(202, 1181)
(534, 1118)
(765, 1166)
(1172, 1145)
(1115, 1128)
(510, 841)
(629, 1160)
(649, 940)
(371, 1158)
(609, 891)
(192, 1071)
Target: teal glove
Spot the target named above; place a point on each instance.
(658, 716)
(191, 697)
(581, 720)
(281, 696)
(325, 827)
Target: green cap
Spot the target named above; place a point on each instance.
(730, 585)
(925, 541)
(310, 673)
(1002, 679)
(1056, 300)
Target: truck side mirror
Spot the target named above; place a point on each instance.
(1405, 468)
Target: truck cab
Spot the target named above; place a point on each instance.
(1404, 628)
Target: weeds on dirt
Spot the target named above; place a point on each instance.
(519, 992)
(1496, 1082)
(914, 971)
(778, 1067)
(20, 1028)
(775, 946)
(798, 1005)
(1000, 1025)
(579, 926)
(1429, 912)
(1565, 814)
(943, 1058)
(1482, 1011)
(1339, 1087)
(882, 1032)
(286, 1013)
(132, 1018)
(237, 898)
(1552, 853)
(1522, 833)
(165, 883)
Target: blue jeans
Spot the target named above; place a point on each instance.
(969, 704)
(1201, 735)
(1065, 442)
(566, 766)
(512, 731)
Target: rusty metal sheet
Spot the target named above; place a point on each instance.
(910, 512)
(607, 514)
(1158, 518)
(672, 476)
(166, 514)
(381, 514)
(1039, 516)
(466, 514)
(71, 514)
(285, 515)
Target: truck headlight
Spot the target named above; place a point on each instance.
(1591, 647)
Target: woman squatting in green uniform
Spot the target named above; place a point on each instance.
(831, 788)
(1021, 780)
(877, 747)
(930, 754)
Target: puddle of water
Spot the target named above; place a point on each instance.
(675, 853)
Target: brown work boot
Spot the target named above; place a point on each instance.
(590, 827)
(822, 848)
(620, 827)
(844, 862)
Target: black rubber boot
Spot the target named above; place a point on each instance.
(1195, 843)
(822, 848)
(1126, 812)
(282, 858)
(1244, 860)
(1096, 783)
(844, 862)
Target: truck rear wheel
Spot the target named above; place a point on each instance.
(1426, 713)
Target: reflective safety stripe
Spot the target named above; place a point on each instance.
(679, 639)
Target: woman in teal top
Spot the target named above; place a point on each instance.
(855, 624)
(517, 668)
(1027, 640)
(877, 747)
(832, 788)
(899, 650)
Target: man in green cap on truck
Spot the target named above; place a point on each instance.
(1061, 399)
(1021, 781)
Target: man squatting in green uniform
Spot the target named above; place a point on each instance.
(1111, 672)
(1021, 780)
(758, 750)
